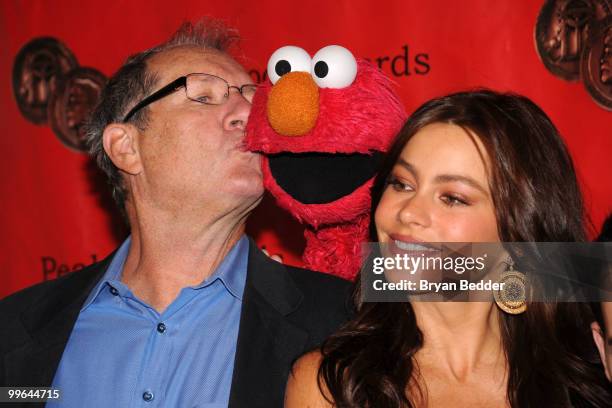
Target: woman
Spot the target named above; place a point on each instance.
(469, 167)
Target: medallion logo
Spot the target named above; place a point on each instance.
(37, 66)
(573, 40)
(596, 65)
(51, 88)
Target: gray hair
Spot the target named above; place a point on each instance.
(132, 82)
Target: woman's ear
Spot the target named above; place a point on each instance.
(600, 342)
(121, 145)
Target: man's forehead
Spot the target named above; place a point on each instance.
(182, 60)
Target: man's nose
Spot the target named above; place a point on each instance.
(238, 114)
(415, 211)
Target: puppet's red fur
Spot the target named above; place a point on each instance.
(361, 118)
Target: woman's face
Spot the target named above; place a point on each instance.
(438, 191)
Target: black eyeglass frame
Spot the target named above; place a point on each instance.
(174, 86)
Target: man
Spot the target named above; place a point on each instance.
(187, 312)
(602, 326)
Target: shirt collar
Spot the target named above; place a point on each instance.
(113, 272)
(231, 271)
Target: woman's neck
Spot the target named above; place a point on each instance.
(459, 338)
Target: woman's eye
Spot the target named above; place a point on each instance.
(452, 200)
(399, 185)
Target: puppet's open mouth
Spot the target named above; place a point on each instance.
(319, 178)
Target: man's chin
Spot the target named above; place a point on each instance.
(246, 184)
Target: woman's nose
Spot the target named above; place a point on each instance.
(415, 211)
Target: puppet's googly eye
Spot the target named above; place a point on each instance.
(287, 59)
(334, 67)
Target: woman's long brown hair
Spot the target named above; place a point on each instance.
(552, 360)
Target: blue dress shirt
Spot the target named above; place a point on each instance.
(123, 353)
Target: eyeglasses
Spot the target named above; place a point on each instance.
(204, 88)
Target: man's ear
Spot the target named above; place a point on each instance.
(598, 337)
(121, 145)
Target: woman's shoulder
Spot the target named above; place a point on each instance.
(303, 386)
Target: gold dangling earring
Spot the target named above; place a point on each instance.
(511, 297)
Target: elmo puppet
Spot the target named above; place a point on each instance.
(323, 124)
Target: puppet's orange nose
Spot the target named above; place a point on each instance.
(293, 104)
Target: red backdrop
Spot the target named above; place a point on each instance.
(55, 215)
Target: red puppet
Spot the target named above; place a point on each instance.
(323, 124)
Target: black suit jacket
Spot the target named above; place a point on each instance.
(286, 312)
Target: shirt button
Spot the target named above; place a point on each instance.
(161, 327)
(114, 291)
(148, 396)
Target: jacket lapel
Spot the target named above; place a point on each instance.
(47, 326)
(267, 342)
(266, 347)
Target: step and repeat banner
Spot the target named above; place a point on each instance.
(55, 211)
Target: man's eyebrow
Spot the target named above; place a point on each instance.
(450, 178)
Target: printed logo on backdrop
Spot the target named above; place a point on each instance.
(52, 89)
(53, 268)
(404, 63)
(574, 41)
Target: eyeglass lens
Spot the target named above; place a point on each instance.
(213, 90)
